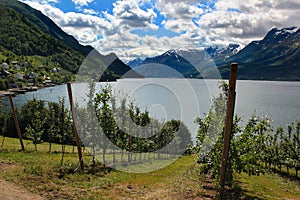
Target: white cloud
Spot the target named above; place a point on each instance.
(251, 21)
(39, 1)
(84, 27)
(129, 46)
(179, 14)
(82, 2)
(178, 10)
(179, 25)
(90, 12)
(128, 13)
(196, 22)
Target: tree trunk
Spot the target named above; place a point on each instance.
(62, 156)
(3, 141)
(122, 155)
(280, 167)
(129, 149)
(50, 147)
(140, 158)
(93, 152)
(103, 156)
(114, 155)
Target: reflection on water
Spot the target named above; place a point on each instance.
(185, 99)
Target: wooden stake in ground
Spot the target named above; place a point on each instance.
(75, 129)
(228, 126)
(16, 121)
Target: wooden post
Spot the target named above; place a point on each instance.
(16, 121)
(228, 126)
(78, 142)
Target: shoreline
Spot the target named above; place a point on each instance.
(16, 91)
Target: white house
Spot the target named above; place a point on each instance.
(5, 66)
(19, 76)
(47, 79)
(32, 75)
(17, 67)
(25, 64)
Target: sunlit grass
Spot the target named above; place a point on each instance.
(41, 172)
(269, 186)
(14, 144)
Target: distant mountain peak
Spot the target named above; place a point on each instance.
(290, 30)
(275, 57)
(278, 34)
(171, 52)
(135, 63)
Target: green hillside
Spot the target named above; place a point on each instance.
(20, 37)
(46, 25)
(38, 46)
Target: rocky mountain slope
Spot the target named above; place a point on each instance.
(275, 57)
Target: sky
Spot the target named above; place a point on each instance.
(147, 28)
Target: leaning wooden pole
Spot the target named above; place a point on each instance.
(78, 142)
(228, 126)
(16, 121)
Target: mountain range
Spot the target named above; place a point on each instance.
(27, 32)
(275, 57)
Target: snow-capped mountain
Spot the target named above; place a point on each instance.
(275, 57)
(188, 63)
(168, 65)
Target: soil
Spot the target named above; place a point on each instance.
(9, 191)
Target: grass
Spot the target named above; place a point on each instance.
(269, 186)
(40, 172)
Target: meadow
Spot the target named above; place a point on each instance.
(43, 173)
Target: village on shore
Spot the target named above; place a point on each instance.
(21, 77)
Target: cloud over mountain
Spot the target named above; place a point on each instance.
(142, 28)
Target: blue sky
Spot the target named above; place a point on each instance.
(100, 6)
(145, 28)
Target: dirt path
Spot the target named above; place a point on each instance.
(9, 191)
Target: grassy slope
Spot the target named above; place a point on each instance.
(39, 172)
(269, 186)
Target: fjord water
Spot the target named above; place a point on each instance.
(185, 99)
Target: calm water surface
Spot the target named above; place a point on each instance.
(185, 99)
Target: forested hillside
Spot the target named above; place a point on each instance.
(46, 25)
(35, 51)
(23, 38)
